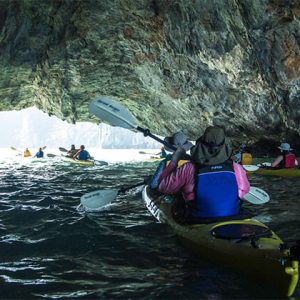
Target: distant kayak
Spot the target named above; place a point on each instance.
(88, 162)
(246, 245)
(292, 172)
(154, 158)
(79, 162)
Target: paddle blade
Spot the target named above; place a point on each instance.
(101, 162)
(98, 199)
(250, 168)
(62, 149)
(112, 112)
(265, 164)
(51, 155)
(13, 148)
(257, 196)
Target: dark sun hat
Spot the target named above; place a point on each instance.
(178, 139)
(212, 147)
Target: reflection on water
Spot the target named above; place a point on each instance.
(49, 249)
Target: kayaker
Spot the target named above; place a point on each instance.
(176, 140)
(27, 153)
(40, 153)
(82, 154)
(287, 159)
(72, 151)
(213, 184)
(162, 153)
(243, 156)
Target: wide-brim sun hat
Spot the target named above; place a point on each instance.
(285, 147)
(212, 147)
(178, 139)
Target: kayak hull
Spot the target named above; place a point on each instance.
(263, 258)
(294, 172)
(80, 162)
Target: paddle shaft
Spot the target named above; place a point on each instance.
(123, 190)
(147, 132)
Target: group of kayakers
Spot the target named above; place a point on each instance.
(39, 154)
(80, 154)
(198, 181)
(287, 158)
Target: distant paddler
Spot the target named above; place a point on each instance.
(82, 154)
(287, 159)
(27, 153)
(243, 155)
(162, 153)
(40, 153)
(72, 152)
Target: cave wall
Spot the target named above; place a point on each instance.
(176, 64)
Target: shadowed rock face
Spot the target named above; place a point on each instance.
(176, 65)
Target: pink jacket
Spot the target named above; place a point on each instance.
(182, 180)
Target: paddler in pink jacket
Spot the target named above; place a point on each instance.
(211, 185)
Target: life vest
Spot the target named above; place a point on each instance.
(216, 191)
(289, 160)
(40, 154)
(246, 158)
(27, 153)
(83, 155)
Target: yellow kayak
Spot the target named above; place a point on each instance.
(246, 245)
(293, 172)
(80, 162)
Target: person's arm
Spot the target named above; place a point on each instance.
(177, 180)
(242, 180)
(277, 161)
(76, 155)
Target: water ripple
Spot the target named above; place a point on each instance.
(51, 250)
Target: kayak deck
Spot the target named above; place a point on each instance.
(80, 162)
(262, 256)
(293, 172)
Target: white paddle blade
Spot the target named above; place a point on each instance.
(250, 168)
(98, 199)
(112, 112)
(257, 196)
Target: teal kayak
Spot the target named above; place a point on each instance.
(245, 245)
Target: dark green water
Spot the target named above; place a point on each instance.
(50, 250)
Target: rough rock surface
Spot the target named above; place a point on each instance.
(176, 64)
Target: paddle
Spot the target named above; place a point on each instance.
(62, 149)
(117, 115)
(265, 164)
(13, 148)
(100, 198)
(52, 155)
(142, 152)
(250, 168)
(256, 196)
